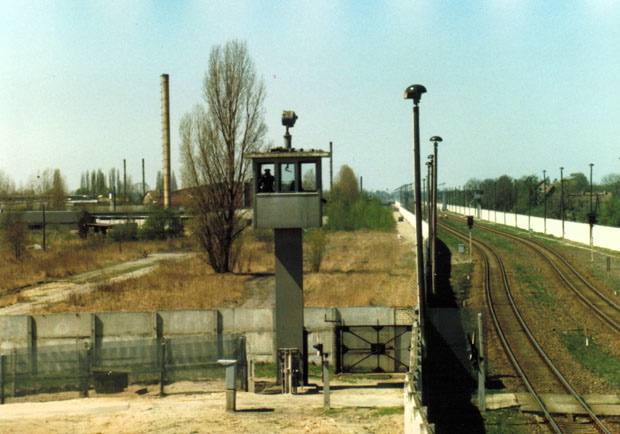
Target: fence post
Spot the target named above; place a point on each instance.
(162, 368)
(326, 392)
(2, 377)
(84, 369)
(481, 366)
(14, 364)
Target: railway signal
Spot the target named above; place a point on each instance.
(470, 225)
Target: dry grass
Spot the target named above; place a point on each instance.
(65, 258)
(360, 268)
(363, 268)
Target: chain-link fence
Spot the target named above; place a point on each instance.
(83, 365)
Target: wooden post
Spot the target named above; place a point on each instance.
(481, 366)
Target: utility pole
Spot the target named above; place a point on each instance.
(143, 185)
(124, 181)
(331, 166)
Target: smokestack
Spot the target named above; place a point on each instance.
(165, 115)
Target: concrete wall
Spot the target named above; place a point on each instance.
(603, 236)
(35, 331)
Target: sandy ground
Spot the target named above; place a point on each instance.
(192, 407)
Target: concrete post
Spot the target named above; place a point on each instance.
(2, 377)
(481, 367)
(84, 368)
(326, 397)
(289, 303)
(162, 368)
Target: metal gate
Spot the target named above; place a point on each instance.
(368, 349)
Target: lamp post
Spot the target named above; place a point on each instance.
(414, 92)
(545, 201)
(591, 165)
(495, 201)
(429, 223)
(529, 202)
(562, 197)
(591, 218)
(429, 193)
(435, 140)
(514, 208)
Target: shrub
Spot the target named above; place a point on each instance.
(124, 232)
(317, 243)
(161, 225)
(365, 213)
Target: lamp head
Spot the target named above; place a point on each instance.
(288, 118)
(436, 139)
(415, 92)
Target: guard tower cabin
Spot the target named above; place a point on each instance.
(287, 188)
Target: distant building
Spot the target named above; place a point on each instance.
(180, 199)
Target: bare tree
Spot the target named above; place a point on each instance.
(214, 138)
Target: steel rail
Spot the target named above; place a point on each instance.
(480, 246)
(537, 246)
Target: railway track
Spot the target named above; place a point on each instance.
(529, 359)
(602, 305)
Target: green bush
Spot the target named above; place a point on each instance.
(364, 213)
(162, 224)
(124, 232)
(317, 243)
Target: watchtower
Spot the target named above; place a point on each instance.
(288, 197)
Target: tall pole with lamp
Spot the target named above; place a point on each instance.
(414, 92)
(545, 201)
(562, 197)
(591, 218)
(435, 140)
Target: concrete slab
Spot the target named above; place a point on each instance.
(603, 405)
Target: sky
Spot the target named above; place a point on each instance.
(514, 87)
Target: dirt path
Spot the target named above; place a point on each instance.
(52, 292)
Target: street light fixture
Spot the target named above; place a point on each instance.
(414, 92)
(435, 140)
